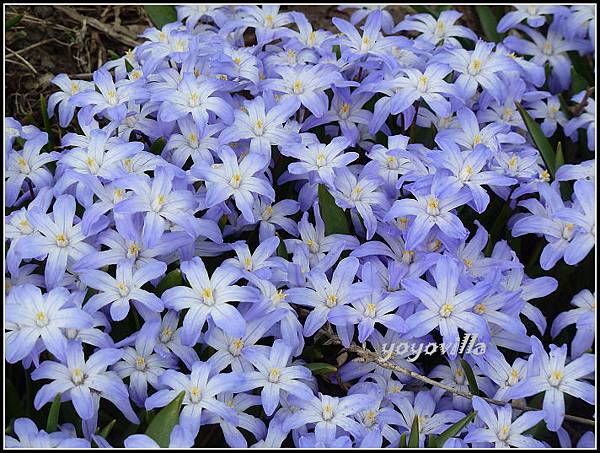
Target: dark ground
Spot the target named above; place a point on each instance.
(66, 39)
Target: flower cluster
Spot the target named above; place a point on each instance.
(243, 199)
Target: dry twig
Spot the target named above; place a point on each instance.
(370, 356)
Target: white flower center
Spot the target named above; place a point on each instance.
(274, 375)
(433, 206)
(474, 66)
(77, 376)
(41, 320)
(140, 363)
(62, 240)
(446, 310)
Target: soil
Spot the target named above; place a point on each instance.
(50, 40)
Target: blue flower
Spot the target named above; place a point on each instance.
(263, 128)
(548, 373)
(501, 430)
(58, 240)
(29, 436)
(126, 287)
(433, 208)
(582, 317)
(77, 377)
(201, 390)
(275, 375)
(234, 178)
(38, 316)
(29, 163)
(447, 305)
(208, 296)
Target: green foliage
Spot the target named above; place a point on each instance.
(473, 388)
(541, 141)
(489, 23)
(158, 146)
(172, 279)
(163, 423)
(439, 440)
(52, 423)
(161, 15)
(10, 23)
(333, 216)
(321, 368)
(413, 439)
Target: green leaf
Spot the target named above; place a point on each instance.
(337, 51)
(560, 158)
(281, 250)
(112, 54)
(454, 430)
(581, 66)
(129, 68)
(52, 422)
(540, 140)
(473, 388)
(108, 428)
(333, 216)
(413, 440)
(161, 15)
(489, 23)
(10, 23)
(402, 443)
(173, 278)
(158, 146)
(578, 83)
(163, 423)
(317, 368)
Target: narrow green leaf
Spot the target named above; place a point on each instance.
(112, 54)
(163, 423)
(413, 440)
(540, 140)
(128, 66)
(582, 67)
(333, 216)
(46, 120)
(489, 23)
(560, 158)
(433, 441)
(455, 429)
(158, 146)
(10, 23)
(173, 278)
(281, 250)
(108, 428)
(338, 51)
(473, 388)
(402, 443)
(161, 15)
(52, 422)
(320, 368)
(578, 83)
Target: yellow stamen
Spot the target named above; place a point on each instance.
(433, 206)
(274, 375)
(331, 300)
(61, 240)
(446, 310)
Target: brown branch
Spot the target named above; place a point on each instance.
(369, 356)
(23, 60)
(578, 109)
(117, 32)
